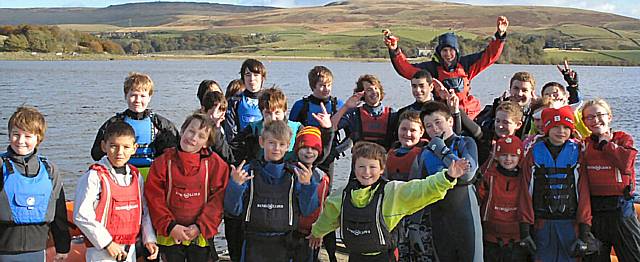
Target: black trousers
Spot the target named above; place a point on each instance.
(181, 253)
(235, 236)
(617, 230)
(508, 252)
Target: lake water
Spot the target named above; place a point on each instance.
(78, 96)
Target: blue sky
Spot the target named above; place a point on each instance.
(623, 7)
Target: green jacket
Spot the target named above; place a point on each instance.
(400, 199)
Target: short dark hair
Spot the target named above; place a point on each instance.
(118, 128)
(254, 66)
(204, 87)
(423, 74)
(213, 98)
(431, 107)
(205, 123)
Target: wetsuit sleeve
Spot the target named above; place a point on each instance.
(470, 153)
(233, 196)
(471, 126)
(60, 226)
(621, 152)
(84, 214)
(167, 135)
(457, 123)
(155, 192)
(211, 215)
(525, 203)
(402, 65)
(230, 123)
(148, 234)
(327, 135)
(308, 196)
(221, 147)
(329, 219)
(295, 111)
(96, 151)
(481, 61)
(405, 198)
(584, 196)
(348, 120)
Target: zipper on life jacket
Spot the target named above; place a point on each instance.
(291, 202)
(486, 209)
(246, 218)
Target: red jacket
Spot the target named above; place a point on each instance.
(499, 205)
(468, 67)
(525, 208)
(186, 164)
(305, 222)
(610, 169)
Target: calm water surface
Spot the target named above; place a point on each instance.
(78, 96)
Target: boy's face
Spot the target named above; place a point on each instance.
(504, 124)
(539, 125)
(448, 54)
(508, 161)
(194, 138)
(275, 115)
(421, 89)
(22, 142)
(215, 112)
(252, 81)
(436, 124)
(409, 133)
(307, 155)
(559, 134)
(119, 149)
(137, 101)
(371, 94)
(322, 89)
(274, 149)
(521, 92)
(597, 119)
(368, 171)
(557, 95)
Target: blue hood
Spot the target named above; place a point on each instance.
(447, 40)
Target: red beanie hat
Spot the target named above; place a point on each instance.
(553, 117)
(509, 145)
(309, 136)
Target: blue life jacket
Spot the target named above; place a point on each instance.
(294, 126)
(145, 134)
(554, 191)
(247, 111)
(305, 116)
(432, 164)
(31, 199)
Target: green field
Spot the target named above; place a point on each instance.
(594, 57)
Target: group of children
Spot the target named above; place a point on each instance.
(428, 183)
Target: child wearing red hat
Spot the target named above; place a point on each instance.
(557, 200)
(499, 193)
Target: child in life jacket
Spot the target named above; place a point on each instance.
(609, 161)
(154, 133)
(32, 200)
(556, 200)
(308, 148)
(109, 206)
(371, 121)
(270, 195)
(185, 191)
(369, 208)
(498, 195)
(243, 107)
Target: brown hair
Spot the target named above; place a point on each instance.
(233, 88)
(423, 74)
(411, 116)
(319, 72)
(597, 102)
(204, 87)
(551, 84)
(369, 150)
(523, 77)
(28, 119)
(372, 80)
(205, 123)
(138, 82)
(513, 110)
(211, 99)
(118, 129)
(272, 99)
(253, 66)
(431, 107)
(277, 129)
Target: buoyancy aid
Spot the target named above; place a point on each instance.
(555, 194)
(432, 164)
(145, 134)
(187, 194)
(119, 208)
(500, 212)
(271, 208)
(363, 230)
(247, 111)
(375, 128)
(32, 200)
(309, 107)
(604, 178)
(399, 165)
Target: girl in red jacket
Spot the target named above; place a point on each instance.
(185, 190)
(609, 158)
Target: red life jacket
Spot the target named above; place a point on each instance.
(469, 103)
(187, 194)
(500, 211)
(374, 128)
(120, 207)
(399, 167)
(604, 178)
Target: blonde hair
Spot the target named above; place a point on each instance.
(319, 72)
(524, 77)
(597, 102)
(277, 129)
(411, 116)
(138, 82)
(28, 119)
(272, 99)
(513, 110)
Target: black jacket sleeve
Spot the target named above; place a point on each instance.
(222, 148)
(60, 226)
(327, 135)
(96, 150)
(167, 135)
